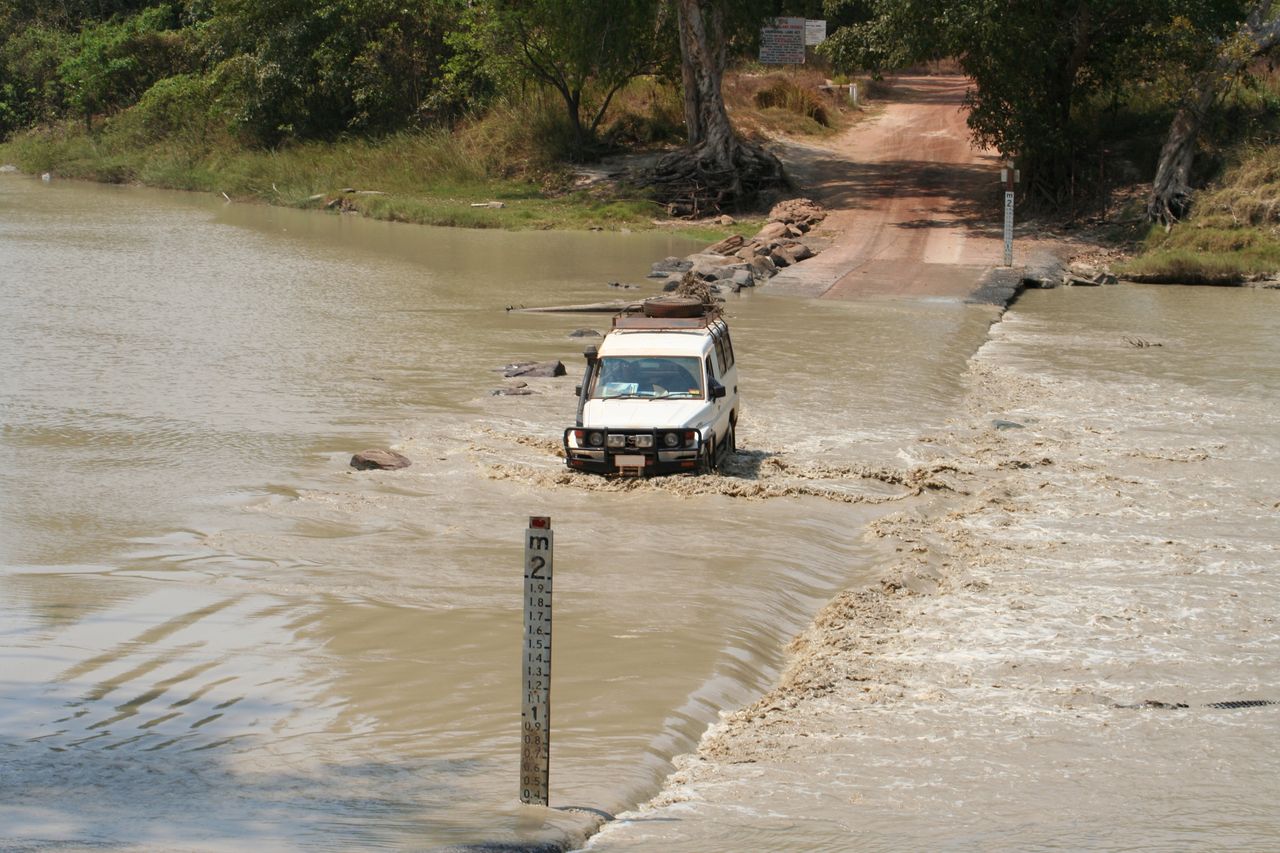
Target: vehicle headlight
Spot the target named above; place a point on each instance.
(644, 441)
(617, 439)
(595, 439)
(670, 439)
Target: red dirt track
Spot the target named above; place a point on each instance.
(914, 208)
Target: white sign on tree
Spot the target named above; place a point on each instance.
(815, 32)
(782, 42)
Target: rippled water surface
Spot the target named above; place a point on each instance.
(1098, 669)
(216, 634)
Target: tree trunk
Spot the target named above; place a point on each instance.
(716, 169)
(1171, 191)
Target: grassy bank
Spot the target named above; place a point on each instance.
(1233, 234)
(431, 177)
(509, 168)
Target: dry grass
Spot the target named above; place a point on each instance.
(1233, 235)
(1249, 193)
(785, 102)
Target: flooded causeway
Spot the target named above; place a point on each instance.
(219, 635)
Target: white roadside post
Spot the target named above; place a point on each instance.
(1008, 176)
(535, 713)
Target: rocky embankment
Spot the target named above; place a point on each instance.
(737, 262)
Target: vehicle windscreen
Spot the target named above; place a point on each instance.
(648, 376)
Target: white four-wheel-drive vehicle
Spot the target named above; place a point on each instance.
(660, 394)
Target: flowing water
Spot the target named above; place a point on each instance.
(1097, 668)
(217, 635)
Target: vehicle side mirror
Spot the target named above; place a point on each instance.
(717, 390)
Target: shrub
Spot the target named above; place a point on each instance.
(185, 109)
(788, 96)
(115, 62)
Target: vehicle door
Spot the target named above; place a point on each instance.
(720, 408)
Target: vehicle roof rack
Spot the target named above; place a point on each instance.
(641, 315)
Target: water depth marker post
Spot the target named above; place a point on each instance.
(1008, 176)
(535, 714)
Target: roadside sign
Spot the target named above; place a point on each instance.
(782, 42)
(815, 32)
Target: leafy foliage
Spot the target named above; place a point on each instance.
(111, 64)
(1043, 72)
(585, 50)
(316, 70)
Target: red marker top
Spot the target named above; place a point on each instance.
(541, 521)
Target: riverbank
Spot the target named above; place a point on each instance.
(395, 180)
(1045, 658)
(509, 167)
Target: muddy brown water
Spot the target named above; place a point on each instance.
(216, 634)
(1095, 671)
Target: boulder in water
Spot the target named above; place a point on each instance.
(379, 460)
(533, 368)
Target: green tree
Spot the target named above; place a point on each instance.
(306, 69)
(1256, 35)
(30, 88)
(111, 64)
(585, 50)
(1039, 70)
(717, 168)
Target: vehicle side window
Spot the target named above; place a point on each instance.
(720, 357)
(728, 347)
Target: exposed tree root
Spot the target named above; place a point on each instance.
(697, 181)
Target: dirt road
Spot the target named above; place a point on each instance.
(914, 207)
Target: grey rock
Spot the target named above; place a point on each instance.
(1079, 281)
(773, 229)
(672, 264)
(379, 460)
(743, 278)
(1001, 424)
(730, 272)
(764, 267)
(531, 368)
(800, 251)
(584, 333)
(710, 259)
(728, 245)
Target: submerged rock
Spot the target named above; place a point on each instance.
(375, 459)
(666, 266)
(533, 368)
